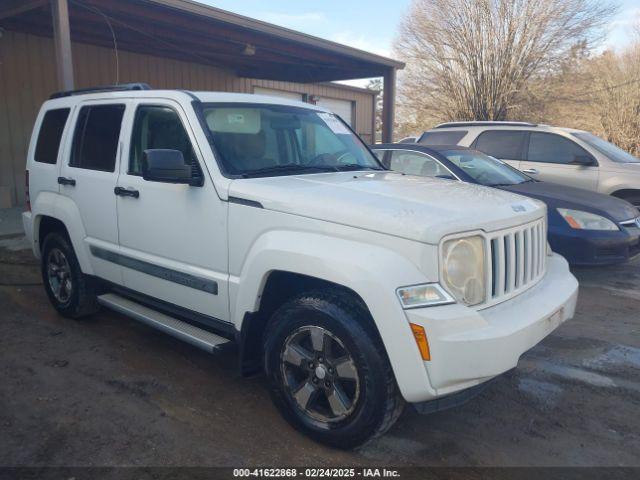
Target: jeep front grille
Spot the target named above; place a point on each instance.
(517, 260)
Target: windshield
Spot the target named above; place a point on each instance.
(268, 140)
(609, 149)
(484, 169)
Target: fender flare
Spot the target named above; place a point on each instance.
(61, 208)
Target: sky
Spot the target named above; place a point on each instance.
(371, 25)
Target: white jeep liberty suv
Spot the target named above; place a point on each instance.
(234, 218)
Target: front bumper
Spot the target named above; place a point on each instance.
(592, 248)
(470, 346)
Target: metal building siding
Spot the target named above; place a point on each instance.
(28, 77)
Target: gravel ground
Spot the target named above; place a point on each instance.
(107, 391)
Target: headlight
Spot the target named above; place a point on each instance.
(463, 269)
(426, 295)
(586, 221)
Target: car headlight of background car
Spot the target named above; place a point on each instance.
(586, 221)
(463, 272)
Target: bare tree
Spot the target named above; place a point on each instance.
(473, 59)
(615, 97)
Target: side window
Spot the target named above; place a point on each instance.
(442, 138)
(502, 144)
(413, 163)
(50, 135)
(551, 148)
(159, 127)
(95, 140)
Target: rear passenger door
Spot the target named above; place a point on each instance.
(506, 145)
(554, 158)
(89, 174)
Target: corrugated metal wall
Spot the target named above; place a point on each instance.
(28, 77)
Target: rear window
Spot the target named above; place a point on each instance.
(502, 144)
(442, 138)
(95, 141)
(50, 135)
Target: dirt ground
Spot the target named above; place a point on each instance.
(108, 391)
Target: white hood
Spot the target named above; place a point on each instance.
(415, 208)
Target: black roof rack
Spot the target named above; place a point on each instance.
(107, 88)
(486, 123)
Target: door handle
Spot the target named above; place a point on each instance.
(532, 171)
(126, 192)
(67, 181)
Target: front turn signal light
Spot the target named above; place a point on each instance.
(421, 340)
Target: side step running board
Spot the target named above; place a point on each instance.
(177, 328)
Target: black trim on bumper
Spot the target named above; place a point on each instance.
(453, 400)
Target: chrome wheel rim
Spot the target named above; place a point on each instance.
(59, 275)
(320, 375)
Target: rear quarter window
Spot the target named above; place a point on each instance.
(442, 138)
(50, 135)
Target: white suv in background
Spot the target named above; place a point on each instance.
(561, 155)
(229, 218)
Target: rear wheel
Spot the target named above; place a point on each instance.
(327, 370)
(69, 290)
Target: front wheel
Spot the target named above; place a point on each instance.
(327, 370)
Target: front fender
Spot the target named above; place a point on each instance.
(371, 271)
(620, 181)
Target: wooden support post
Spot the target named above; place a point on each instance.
(388, 105)
(62, 42)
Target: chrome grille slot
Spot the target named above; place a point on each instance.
(516, 260)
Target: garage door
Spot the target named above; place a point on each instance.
(339, 107)
(278, 93)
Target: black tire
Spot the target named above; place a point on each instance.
(81, 298)
(347, 327)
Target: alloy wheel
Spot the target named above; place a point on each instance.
(320, 374)
(59, 275)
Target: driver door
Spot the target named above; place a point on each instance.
(553, 158)
(173, 237)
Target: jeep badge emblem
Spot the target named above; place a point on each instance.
(518, 208)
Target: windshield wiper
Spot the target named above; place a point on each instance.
(354, 166)
(290, 167)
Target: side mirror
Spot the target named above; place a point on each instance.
(583, 160)
(167, 166)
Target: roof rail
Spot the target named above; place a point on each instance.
(107, 88)
(486, 123)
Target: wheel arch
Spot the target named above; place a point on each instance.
(626, 192)
(281, 286)
(51, 210)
